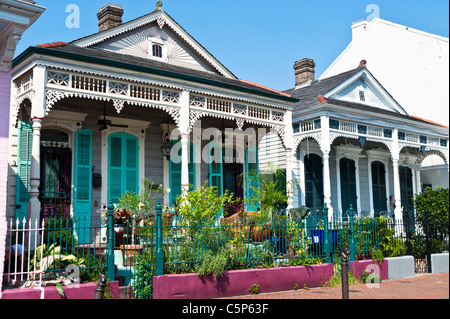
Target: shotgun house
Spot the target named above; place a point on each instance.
(355, 145)
(93, 118)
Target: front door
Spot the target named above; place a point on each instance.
(314, 185)
(348, 184)
(378, 188)
(56, 171)
(82, 185)
(406, 192)
(231, 179)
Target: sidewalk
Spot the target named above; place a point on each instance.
(423, 286)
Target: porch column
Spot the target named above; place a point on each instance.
(184, 164)
(326, 182)
(302, 187)
(289, 179)
(395, 154)
(325, 147)
(397, 194)
(289, 145)
(34, 205)
(183, 126)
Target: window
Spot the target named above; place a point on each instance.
(362, 96)
(157, 50)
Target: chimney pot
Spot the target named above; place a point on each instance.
(362, 64)
(304, 72)
(109, 16)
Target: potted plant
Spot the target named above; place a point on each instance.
(141, 207)
(122, 217)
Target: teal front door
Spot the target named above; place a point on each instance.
(123, 168)
(348, 184)
(82, 185)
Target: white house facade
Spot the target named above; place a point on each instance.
(16, 16)
(356, 145)
(89, 119)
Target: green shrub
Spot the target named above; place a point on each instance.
(437, 203)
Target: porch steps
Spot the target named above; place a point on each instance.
(123, 271)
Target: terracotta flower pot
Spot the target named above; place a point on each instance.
(131, 253)
(260, 234)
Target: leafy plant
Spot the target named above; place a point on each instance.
(377, 256)
(269, 192)
(437, 203)
(215, 260)
(363, 277)
(254, 289)
(203, 202)
(48, 258)
(60, 232)
(60, 289)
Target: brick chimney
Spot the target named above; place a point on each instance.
(109, 16)
(304, 72)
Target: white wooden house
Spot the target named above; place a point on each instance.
(89, 118)
(354, 144)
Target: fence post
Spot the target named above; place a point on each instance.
(344, 271)
(100, 289)
(351, 214)
(110, 255)
(427, 234)
(159, 252)
(326, 241)
(408, 231)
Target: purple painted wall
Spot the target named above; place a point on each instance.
(83, 291)
(238, 282)
(358, 267)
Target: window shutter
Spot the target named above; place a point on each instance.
(83, 185)
(251, 165)
(23, 169)
(175, 171)
(216, 167)
(123, 165)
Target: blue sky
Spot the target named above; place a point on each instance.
(257, 40)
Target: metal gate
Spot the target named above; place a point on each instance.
(55, 187)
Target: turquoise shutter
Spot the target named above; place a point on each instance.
(216, 167)
(123, 170)
(252, 169)
(23, 169)
(83, 185)
(175, 171)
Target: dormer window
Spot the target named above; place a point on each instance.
(362, 96)
(157, 51)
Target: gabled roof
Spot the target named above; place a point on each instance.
(323, 92)
(160, 17)
(308, 94)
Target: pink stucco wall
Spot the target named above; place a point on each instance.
(5, 91)
(83, 291)
(238, 282)
(357, 268)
